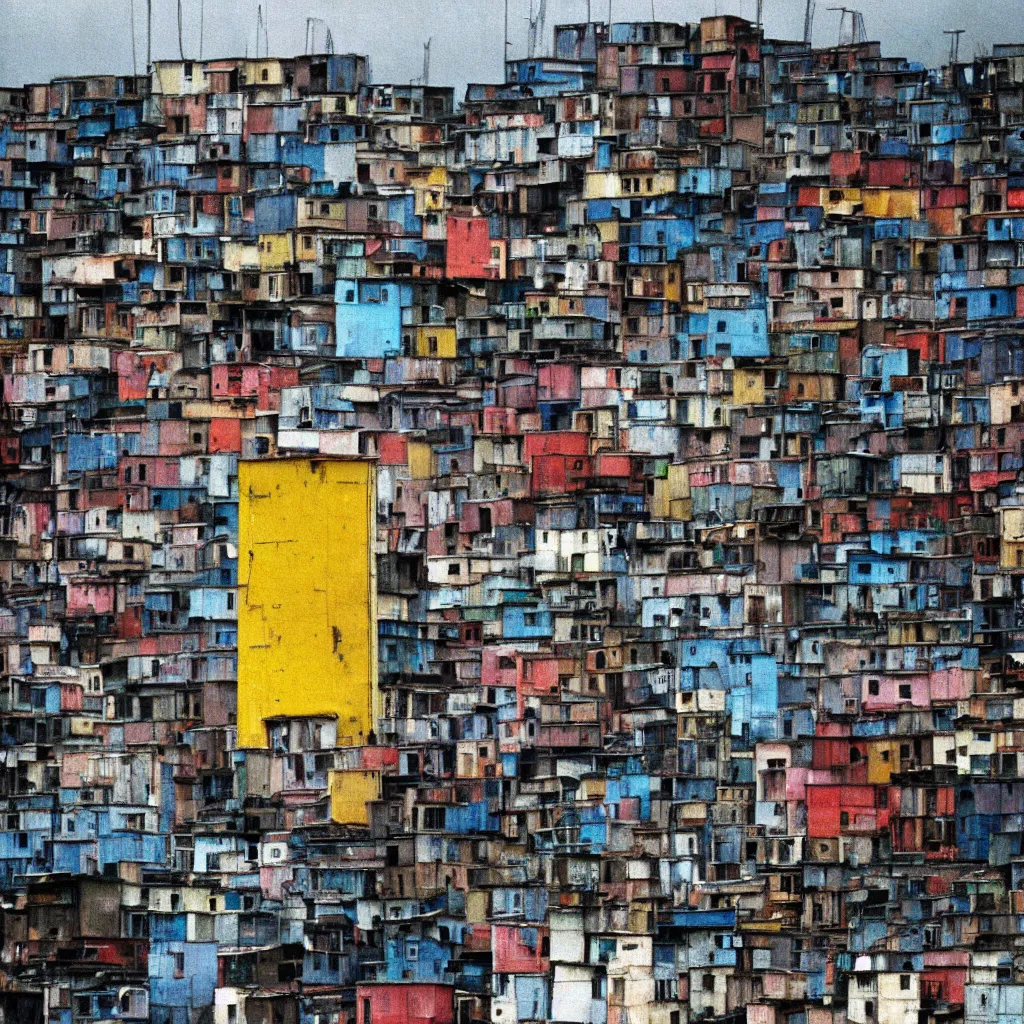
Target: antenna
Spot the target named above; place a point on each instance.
(149, 36)
(842, 22)
(954, 43)
(536, 26)
(311, 26)
(131, 15)
(808, 21)
(261, 26)
(426, 61)
(857, 34)
(860, 34)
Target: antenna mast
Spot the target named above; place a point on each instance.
(954, 43)
(261, 27)
(536, 27)
(857, 31)
(131, 15)
(311, 26)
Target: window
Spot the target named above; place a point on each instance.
(179, 964)
(904, 982)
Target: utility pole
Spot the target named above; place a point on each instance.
(808, 21)
(954, 43)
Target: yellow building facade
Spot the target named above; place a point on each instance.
(307, 595)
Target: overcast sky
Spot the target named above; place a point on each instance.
(41, 39)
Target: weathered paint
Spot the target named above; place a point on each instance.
(306, 615)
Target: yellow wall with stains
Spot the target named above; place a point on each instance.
(307, 595)
(350, 793)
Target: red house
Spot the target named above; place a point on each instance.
(404, 1003)
(469, 249)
